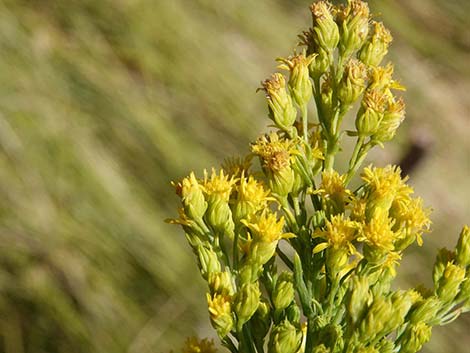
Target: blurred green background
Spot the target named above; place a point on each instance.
(103, 103)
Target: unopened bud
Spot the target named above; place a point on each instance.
(207, 260)
(414, 338)
(386, 346)
(448, 286)
(379, 313)
(293, 314)
(321, 64)
(462, 255)
(299, 80)
(221, 283)
(444, 256)
(281, 108)
(219, 217)
(354, 26)
(392, 119)
(324, 25)
(246, 302)
(370, 113)
(401, 304)
(282, 182)
(359, 296)
(192, 196)
(353, 83)
(375, 49)
(425, 310)
(283, 291)
(285, 338)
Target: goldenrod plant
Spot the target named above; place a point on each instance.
(296, 260)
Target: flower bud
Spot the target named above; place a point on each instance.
(221, 283)
(463, 248)
(275, 156)
(285, 338)
(220, 311)
(370, 113)
(464, 294)
(386, 346)
(375, 49)
(293, 314)
(246, 302)
(401, 304)
(192, 196)
(392, 119)
(281, 108)
(353, 83)
(219, 217)
(448, 286)
(299, 80)
(444, 256)
(207, 260)
(425, 310)
(283, 292)
(251, 198)
(414, 337)
(282, 182)
(252, 268)
(359, 297)
(320, 65)
(354, 26)
(324, 26)
(218, 188)
(377, 317)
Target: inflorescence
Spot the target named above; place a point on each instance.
(295, 261)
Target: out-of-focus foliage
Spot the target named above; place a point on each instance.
(102, 103)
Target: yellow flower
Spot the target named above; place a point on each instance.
(267, 228)
(339, 233)
(378, 234)
(194, 345)
(192, 196)
(383, 185)
(275, 153)
(333, 192)
(220, 311)
(276, 156)
(251, 197)
(411, 218)
(357, 206)
(218, 185)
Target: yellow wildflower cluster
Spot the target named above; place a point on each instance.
(295, 260)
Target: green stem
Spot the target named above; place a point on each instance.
(235, 250)
(361, 155)
(304, 109)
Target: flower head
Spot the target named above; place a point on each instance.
(195, 345)
(299, 79)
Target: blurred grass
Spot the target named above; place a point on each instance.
(102, 103)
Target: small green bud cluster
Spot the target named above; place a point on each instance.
(295, 260)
